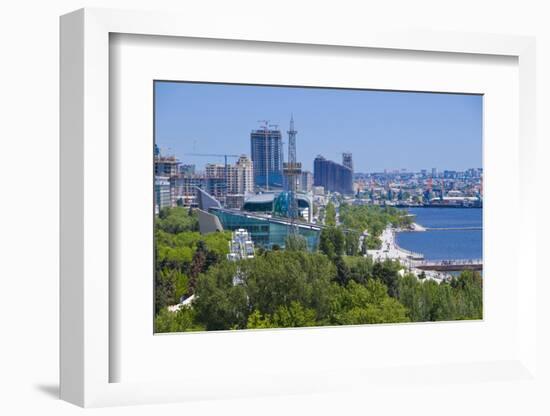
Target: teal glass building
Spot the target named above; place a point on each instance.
(267, 232)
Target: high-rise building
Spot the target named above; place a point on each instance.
(347, 160)
(216, 187)
(216, 184)
(162, 193)
(332, 176)
(306, 181)
(240, 176)
(266, 151)
(434, 172)
(166, 167)
(235, 180)
(215, 170)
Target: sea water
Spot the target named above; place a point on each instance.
(462, 242)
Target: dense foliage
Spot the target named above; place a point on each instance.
(182, 254)
(330, 214)
(372, 218)
(293, 287)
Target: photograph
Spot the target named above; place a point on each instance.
(292, 206)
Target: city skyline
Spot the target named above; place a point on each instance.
(396, 130)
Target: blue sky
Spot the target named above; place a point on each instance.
(383, 129)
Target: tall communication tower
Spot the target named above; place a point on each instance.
(292, 141)
(292, 170)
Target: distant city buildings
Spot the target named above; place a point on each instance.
(270, 197)
(230, 183)
(266, 152)
(332, 176)
(448, 188)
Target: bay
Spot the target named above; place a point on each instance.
(459, 243)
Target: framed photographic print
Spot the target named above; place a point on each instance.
(277, 213)
(270, 232)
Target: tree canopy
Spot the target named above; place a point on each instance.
(294, 287)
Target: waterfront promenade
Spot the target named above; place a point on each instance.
(390, 250)
(415, 262)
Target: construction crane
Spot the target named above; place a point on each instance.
(225, 156)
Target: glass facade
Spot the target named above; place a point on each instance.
(266, 151)
(266, 232)
(278, 204)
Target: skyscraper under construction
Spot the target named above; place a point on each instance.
(347, 160)
(266, 151)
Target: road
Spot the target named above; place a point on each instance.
(390, 250)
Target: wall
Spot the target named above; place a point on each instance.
(29, 207)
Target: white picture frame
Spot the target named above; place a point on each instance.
(85, 344)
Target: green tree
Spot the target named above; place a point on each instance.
(367, 304)
(258, 321)
(428, 300)
(281, 277)
(294, 316)
(387, 273)
(330, 215)
(332, 241)
(352, 242)
(372, 218)
(198, 265)
(468, 295)
(295, 242)
(176, 220)
(342, 271)
(170, 286)
(180, 321)
(360, 268)
(219, 303)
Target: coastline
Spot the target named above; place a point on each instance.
(435, 256)
(390, 250)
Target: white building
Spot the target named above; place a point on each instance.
(241, 246)
(241, 176)
(162, 193)
(215, 170)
